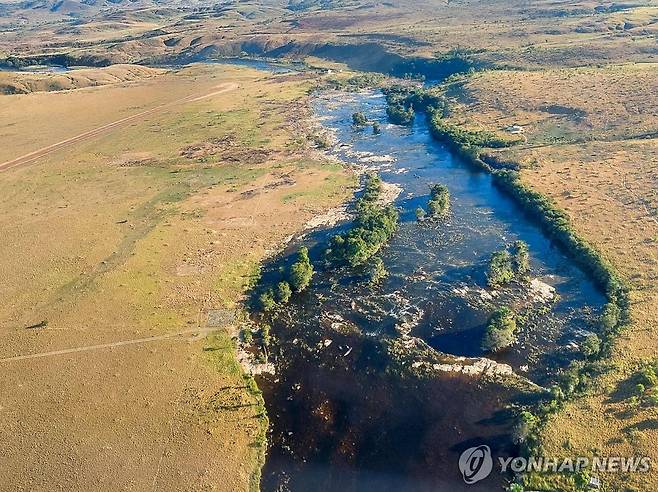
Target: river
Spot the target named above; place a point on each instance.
(350, 406)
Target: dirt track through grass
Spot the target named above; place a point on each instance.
(197, 333)
(33, 156)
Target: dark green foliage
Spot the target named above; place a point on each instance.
(456, 135)
(501, 331)
(359, 119)
(265, 336)
(377, 272)
(247, 336)
(399, 115)
(372, 228)
(439, 203)
(521, 257)
(501, 269)
(267, 301)
(376, 128)
(525, 426)
(420, 213)
(356, 83)
(646, 387)
(283, 292)
(301, 271)
(591, 345)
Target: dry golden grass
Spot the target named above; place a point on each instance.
(122, 237)
(26, 82)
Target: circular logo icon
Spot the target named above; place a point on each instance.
(476, 464)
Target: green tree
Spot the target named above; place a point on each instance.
(501, 269)
(525, 426)
(591, 345)
(420, 214)
(283, 292)
(439, 203)
(501, 330)
(377, 272)
(376, 128)
(359, 119)
(265, 335)
(267, 301)
(301, 271)
(521, 257)
(610, 317)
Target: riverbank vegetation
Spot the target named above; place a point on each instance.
(297, 280)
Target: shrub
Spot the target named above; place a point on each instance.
(501, 269)
(373, 226)
(265, 335)
(501, 330)
(359, 119)
(283, 292)
(267, 301)
(399, 115)
(301, 271)
(521, 257)
(439, 203)
(525, 426)
(420, 213)
(377, 272)
(376, 128)
(591, 346)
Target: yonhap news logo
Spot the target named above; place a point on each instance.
(477, 463)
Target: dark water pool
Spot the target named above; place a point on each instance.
(348, 413)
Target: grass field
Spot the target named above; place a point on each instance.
(130, 235)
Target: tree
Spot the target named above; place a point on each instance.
(521, 258)
(501, 330)
(377, 272)
(501, 269)
(267, 301)
(591, 345)
(283, 292)
(400, 115)
(301, 271)
(525, 426)
(439, 203)
(359, 119)
(610, 317)
(420, 214)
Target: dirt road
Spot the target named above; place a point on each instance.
(33, 156)
(196, 333)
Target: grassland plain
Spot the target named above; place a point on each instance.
(590, 144)
(137, 233)
(578, 76)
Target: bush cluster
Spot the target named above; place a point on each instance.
(501, 330)
(298, 279)
(505, 266)
(373, 226)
